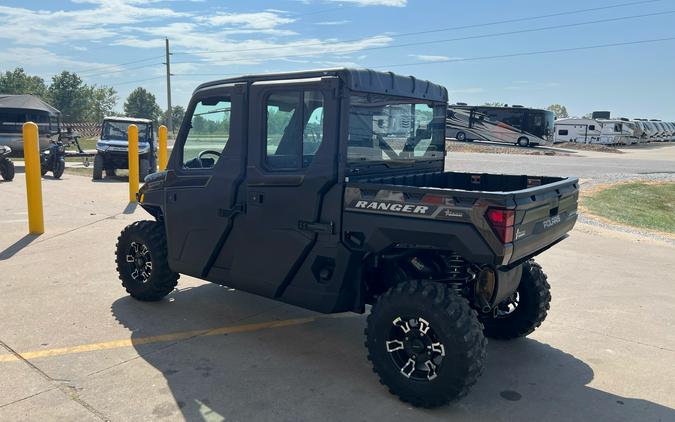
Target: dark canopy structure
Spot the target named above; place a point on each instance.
(27, 102)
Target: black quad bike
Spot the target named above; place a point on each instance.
(54, 158)
(327, 190)
(6, 165)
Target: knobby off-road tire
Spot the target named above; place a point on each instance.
(444, 340)
(7, 170)
(141, 243)
(534, 298)
(98, 167)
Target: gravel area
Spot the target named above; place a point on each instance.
(589, 185)
(490, 148)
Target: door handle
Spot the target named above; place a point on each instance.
(224, 212)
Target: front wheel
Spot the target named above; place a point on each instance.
(523, 141)
(425, 343)
(98, 167)
(461, 136)
(142, 264)
(527, 308)
(59, 168)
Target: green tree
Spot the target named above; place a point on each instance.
(559, 110)
(102, 101)
(143, 104)
(18, 82)
(177, 114)
(70, 95)
(495, 104)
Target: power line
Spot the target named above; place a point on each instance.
(468, 59)
(138, 80)
(88, 69)
(429, 42)
(529, 53)
(107, 72)
(453, 28)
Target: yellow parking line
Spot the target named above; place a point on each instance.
(117, 344)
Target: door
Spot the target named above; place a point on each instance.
(206, 167)
(292, 163)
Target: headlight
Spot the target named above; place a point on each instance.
(101, 146)
(142, 149)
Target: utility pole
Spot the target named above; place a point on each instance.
(169, 122)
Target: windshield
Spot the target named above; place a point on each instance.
(117, 131)
(386, 128)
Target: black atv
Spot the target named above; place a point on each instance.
(6, 165)
(327, 190)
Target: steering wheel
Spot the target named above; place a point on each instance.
(201, 155)
(208, 152)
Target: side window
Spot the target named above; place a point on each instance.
(591, 127)
(312, 136)
(294, 129)
(208, 134)
(563, 132)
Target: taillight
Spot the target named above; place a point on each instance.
(502, 221)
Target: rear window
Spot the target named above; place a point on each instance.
(387, 128)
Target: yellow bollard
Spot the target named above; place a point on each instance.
(132, 136)
(31, 156)
(163, 153)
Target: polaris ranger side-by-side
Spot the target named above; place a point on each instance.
(326, 190)
(112, 149)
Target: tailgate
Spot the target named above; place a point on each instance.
(544, 215)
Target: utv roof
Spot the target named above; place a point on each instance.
(363, 80)
(27, 102)
(127, 119)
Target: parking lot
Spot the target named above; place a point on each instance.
(74, 347)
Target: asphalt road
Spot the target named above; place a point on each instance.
(75, 347)
(656, 158)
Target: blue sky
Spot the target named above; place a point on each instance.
(218, 37)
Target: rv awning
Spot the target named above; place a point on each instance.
(27, 102)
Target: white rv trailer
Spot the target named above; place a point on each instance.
(661, 132)
(648, 130)
(651, 130)
(579, 131)
(595, 131)
(641, 130)
(671, 131)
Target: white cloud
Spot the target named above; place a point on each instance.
(391, 3)
(332, 23)
(429, 58)
(89, 24)
(41, 60)
(260, 20)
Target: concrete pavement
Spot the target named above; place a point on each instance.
(75, 347)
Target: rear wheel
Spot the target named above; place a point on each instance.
(461, 136)
(521, 314)
(142, 264)
(98, 167)
(425, 343)
(523, 141)
(7, 169)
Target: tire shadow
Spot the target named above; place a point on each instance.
(319, 371)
